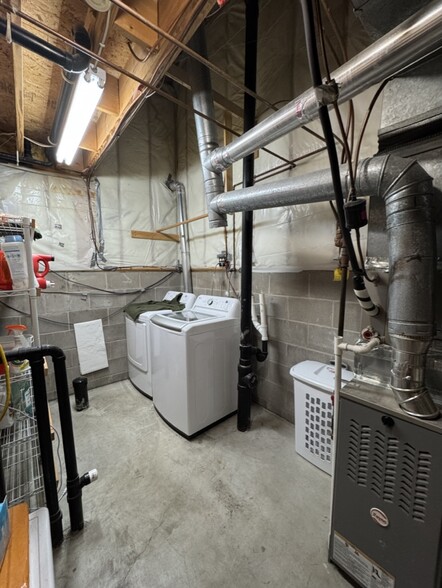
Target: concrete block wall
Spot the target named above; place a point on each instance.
(302, 311)
(77, 297)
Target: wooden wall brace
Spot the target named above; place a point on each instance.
(189, 220)
(146, 268)
(155, 236)
(159, 234)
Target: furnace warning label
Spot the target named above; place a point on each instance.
(357, 564)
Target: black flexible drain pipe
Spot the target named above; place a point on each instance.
(246, 378)
(312, 54)
(75, 63)
(35, 356)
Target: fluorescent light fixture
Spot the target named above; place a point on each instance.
(86, 95)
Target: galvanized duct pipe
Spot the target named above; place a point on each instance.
(411, 41)
(180, 190)
(407, 192)
(206, 130)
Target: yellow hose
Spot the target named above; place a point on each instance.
(8, 382)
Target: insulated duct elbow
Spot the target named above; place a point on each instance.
(407, 191)
(206, 129)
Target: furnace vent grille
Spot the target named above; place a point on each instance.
(384, 466)
(414, 482)
(395, 471)
(358, 453)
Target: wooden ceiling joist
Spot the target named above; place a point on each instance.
(17, 60)
(31, 84)
(134, 29)
(110, 100)
(180, 21)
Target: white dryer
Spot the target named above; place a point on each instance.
(138, 348)
(195, 356)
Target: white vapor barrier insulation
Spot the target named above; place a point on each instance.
(289, 238)
(161, 140)
(133, 196)
(60, 208)
(133, 191)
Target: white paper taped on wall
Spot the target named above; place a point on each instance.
(91, 347)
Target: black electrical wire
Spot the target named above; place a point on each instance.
(343, 293)
(361, 257)
(138, 290)
(347, 155)
(312, 54)
(70, 325)
(367, 118)
(313, 60)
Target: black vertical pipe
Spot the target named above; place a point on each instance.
(46, 454)
(313, 59)
(35, 356)
(246, 377)
(73, 484)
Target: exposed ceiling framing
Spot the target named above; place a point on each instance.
(30, 85)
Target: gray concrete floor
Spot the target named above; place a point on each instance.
(227, 509)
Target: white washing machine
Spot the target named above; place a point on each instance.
(138, 348)
(195, 356)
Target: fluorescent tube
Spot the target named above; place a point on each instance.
(87, 93)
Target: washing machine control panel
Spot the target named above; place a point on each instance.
(228, 307)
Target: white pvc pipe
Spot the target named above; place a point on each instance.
(363, 348)
(263, 315)
(336, 393)
(261, 327)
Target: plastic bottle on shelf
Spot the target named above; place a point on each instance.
(41, 269)
(5, 274)
(15, 253)
(21, 398)
(17, 331)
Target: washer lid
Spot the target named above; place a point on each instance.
(176, 321)
(321, 375)
(145, 317)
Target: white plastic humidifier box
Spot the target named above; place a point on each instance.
(314, 384)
